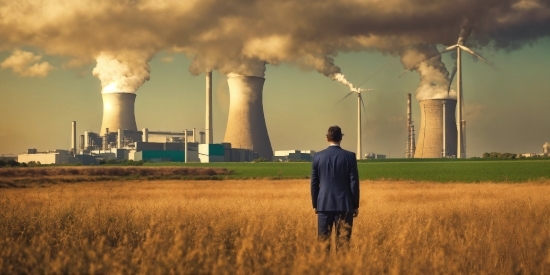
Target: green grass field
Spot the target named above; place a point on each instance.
(433, 170)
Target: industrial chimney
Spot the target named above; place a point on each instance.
(408, 149)
(430, 136)
(208, 126)
(118, 112)
(74, 150)
(246, 126)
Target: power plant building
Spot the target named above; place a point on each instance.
(437, 136)
(55, 157)
(293, 155)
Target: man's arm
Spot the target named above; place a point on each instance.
(354, 183)
(314, 183)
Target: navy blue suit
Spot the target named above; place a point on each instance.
(334, 190)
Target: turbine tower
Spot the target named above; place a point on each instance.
(359, 132)
(459, 46)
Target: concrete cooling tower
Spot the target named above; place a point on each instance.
(118, 112)
(436, 126)
(246, 123)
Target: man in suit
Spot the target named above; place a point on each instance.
(335, 189)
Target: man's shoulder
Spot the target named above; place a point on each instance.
(331, 150)
(348, 152)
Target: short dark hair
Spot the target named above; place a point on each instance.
(334, 133)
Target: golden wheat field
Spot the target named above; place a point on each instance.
(268, 227)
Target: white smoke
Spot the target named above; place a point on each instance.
(434, 77)
(230, 36)
(342, 79)
(123, 72)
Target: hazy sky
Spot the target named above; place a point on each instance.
(506, 109)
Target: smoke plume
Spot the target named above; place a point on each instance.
(434, 77)
(122, 73)
(342, 79)
(242, 36)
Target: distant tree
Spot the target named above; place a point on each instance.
(498, 155)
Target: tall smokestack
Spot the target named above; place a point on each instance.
(463, 139)
(246, 126)
(208, 127)
(73, 138)
(145, 137)
(408, 150)
(81, 142)
(444, 151)
(413, 141)
(120, 139)
(118, 112)
(430, 136)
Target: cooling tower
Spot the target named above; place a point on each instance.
(430, 135)
(246, 123)
(118, 112)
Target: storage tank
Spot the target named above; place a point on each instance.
(432, 123)
(118, 112)
(246, 126)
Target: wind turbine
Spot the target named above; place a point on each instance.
(459, 46)
(360, 102)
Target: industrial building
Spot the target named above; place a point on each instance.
(372, 156)
(293, 155)
(246, 137)
(55, 157)
(160, 146)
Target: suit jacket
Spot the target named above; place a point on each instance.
(335, 180)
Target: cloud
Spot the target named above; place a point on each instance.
(26, 64)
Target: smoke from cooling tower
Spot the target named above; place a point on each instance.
(123, 72)
(434, 77)
(235, 36)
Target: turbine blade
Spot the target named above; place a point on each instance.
(477, 55)
(453, 73)
(448, 49)
(363, 103)
(343, 99)
(389, 63)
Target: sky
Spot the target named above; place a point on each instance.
(506, 107)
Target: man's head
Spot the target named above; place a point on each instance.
(334, 134)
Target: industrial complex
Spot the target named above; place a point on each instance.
(246, 137)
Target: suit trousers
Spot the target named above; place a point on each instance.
(343, 221)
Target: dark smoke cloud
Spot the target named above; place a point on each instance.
(241, 36)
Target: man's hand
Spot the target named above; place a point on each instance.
(356, 212)
(315, 209)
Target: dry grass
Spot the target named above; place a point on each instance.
(268, 227)
(32, 176)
